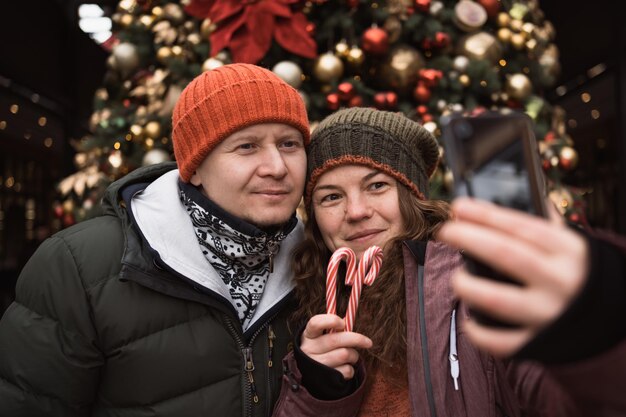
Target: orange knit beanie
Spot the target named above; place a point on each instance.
(222, 101)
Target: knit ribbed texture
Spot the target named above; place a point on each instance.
(387, 141)
(222, 101)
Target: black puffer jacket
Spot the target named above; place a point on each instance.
(107, 324)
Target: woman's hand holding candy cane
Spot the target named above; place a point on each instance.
(324, 339)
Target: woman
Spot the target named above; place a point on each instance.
(367, 185)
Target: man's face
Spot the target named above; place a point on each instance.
(256, 174)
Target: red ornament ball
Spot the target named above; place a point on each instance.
(422, 93)
(392, 100)
(375, 41)
(332, 101)
(380, 101)
(58, 211)
(422, 5)
(574, 217)
(345, 91)
(492, 7)
(356, 101)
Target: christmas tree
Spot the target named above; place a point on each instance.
(425, 58)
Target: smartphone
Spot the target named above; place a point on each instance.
(495, 157)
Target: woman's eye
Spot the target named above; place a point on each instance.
(377, 185)
(329, 198)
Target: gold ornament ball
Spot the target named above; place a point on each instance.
(481, 46)
(289, 72)
(568, 158)
(126, 20)
(342, 48)
(518, 86)
(504, 19)
(207, 28)
(516, 25)
(164, 54)
(355, 56)
(174, 13)
(146, 21)
(153, 129)
(504, 35)
(211, 64)
(393, 26)
(68, 206)
(465, 80)
(518, 41)
(157, 12)
(194, 38)
(328, 68)
(400, 71)
(177, 51)
(136, 131)
(549, 60)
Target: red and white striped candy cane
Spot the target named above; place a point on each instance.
(372, 259)
(331, 275)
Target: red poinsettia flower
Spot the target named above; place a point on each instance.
(247, 27)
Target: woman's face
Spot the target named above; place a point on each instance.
(356, 206)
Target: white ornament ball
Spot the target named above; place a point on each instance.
(155, 156)
(126, 56)
(460, 63)
(289, 72)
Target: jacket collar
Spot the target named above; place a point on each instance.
(162, 221)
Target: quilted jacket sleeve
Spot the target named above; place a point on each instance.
(49, 361)
(295, 400)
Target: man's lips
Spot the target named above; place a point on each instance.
(272, 192)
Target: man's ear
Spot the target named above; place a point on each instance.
(195, 179)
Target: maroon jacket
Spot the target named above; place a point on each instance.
(437, 348)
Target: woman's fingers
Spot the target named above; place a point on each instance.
(498, 342)
(510, 222)
(527, 306)
(337, 350)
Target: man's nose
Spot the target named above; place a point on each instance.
(272, 163)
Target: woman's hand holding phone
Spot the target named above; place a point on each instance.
(549, 260)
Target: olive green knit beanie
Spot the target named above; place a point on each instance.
(390, 142)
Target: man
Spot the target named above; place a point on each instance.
(174, 301)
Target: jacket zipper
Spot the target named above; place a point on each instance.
(270, 363)
(424, 339)
(249, 386)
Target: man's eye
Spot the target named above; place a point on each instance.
(291, 143)
(245, 146)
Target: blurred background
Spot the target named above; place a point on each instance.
(87, 87)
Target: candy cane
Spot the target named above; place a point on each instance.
(372, 259)
(366, 273)
(331, 275)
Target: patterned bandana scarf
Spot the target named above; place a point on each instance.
(241, 253)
